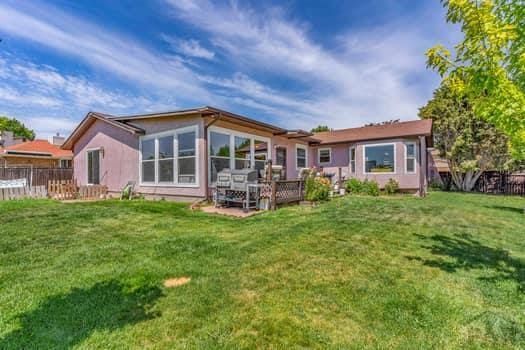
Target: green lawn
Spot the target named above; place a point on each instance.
(447, 271)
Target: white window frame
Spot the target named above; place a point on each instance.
(379, 144)
(329, 149)
(414, 157)
(352, 148)
(174, 133)
(99, 149)
(232, 133)
(305, 148)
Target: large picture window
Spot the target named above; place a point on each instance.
(379, 158)
(229, 149)
(169, 158)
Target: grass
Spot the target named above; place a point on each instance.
(447, 271)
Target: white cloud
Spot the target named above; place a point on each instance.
(98, 47)
(368, 77)
(190, 48)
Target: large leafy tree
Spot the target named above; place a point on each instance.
(488, 66)
(470, 144)
(17, 127)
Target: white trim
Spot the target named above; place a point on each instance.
(350, 159)
(301, 146)
(379, 144)
(329, 149)
(174, 133)
(415, 157)
(93, 149)
(232, 133)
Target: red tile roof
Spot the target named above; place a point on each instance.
(36, 147)
(377, 132)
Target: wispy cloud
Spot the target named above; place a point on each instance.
(190, 48)
(359, 76)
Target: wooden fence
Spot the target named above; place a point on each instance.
(23, 192)
(68, 189)
(493, 182)
(36, 176)
(496, 182)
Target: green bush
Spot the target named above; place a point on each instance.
(392, 186)
(370, 187)
(354, 186)
(317, 189)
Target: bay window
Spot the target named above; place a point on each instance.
(379, 158)
(169, 158)
(229, 149)
(410, 158)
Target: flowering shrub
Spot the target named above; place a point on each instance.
(392, 186)
(317, 188)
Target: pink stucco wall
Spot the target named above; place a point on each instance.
(291, 170)
(119, 161)
(341, 159)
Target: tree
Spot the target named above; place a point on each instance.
(470, 144)
(321, 128)
(488, 66)
(17, 127)
(386, 122)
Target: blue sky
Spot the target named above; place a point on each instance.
(294, 63)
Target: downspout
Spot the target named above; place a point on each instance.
(216, 117)
(423, 166)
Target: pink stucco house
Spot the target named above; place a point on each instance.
(178, 154)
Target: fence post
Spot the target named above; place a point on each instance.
(274, 195)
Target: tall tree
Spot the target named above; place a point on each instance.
(488, 66)
(470, 145)
(17, 127)
(321, 128)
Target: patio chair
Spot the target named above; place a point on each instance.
(128, 190)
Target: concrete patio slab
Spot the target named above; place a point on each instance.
(235, 212)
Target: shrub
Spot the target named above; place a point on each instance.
(354, 186)
(317, 189)
(392, 186)
(370, 187)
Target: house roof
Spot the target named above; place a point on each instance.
(36, 148)
(205, 112)
(90, 118)
(376, 132)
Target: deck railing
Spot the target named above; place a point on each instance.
(283, 192)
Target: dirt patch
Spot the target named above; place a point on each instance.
(176, 282)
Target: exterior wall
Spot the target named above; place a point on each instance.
(119, 161)
(36, 162)
(341, 159)
(156, 125)
(292, 172)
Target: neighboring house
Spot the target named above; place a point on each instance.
(37, 153)
(178, 154)
(437, 165)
